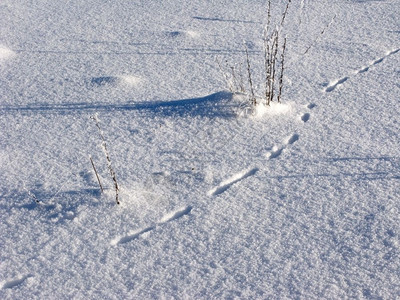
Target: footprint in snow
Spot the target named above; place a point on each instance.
(305, 117)
(113, 81)
(169, 217)
(226, 184)
(15, 282)
(184, 34)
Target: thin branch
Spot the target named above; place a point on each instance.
(274, 57)
(97, 175)
(268, 17)
(267, 66)
(282, 69)
(285, 12)
(319, 36)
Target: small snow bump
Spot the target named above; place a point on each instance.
(192, 34)
(6, 53)
(273, 109)
(130, 79)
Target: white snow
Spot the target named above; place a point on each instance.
(5, 53)
(299, 200)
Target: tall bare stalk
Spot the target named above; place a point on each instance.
(253, 99)
(110, 168)
(274, 58)
(285, 12)
(282, 69)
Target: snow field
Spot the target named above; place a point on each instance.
(297, 201)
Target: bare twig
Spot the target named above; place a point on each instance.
(267, 66)
(285, 12)
(282, 69)
(274, 57)
(268, 18)
(97, 175)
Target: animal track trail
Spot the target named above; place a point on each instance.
(174, 215)
(275, 152)
(333, 86)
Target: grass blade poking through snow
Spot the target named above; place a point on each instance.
(110, 168)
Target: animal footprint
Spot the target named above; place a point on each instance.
(174, 215)
(15, 282)
(305, 117)
(333, 86)
(294, 138)
(311, 106)
(223, 186)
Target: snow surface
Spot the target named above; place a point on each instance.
(299, 201)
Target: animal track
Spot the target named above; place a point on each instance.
(333, 86)
(311, 106)
(176, 34)
(378, 61)
(113, 81)
(174, 215)
(394, 52)
(131, 237)
(105, 80)
(223, 186)
(294, 138)
(305, 117)
(277, 151)
(15, 282)
(274, 153)
(363, 70)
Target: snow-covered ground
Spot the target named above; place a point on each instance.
(300, 202)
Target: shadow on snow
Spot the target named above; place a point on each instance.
(219, 104)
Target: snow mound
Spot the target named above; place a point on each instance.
(6, 53)
(130, 80)
(273, 109)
